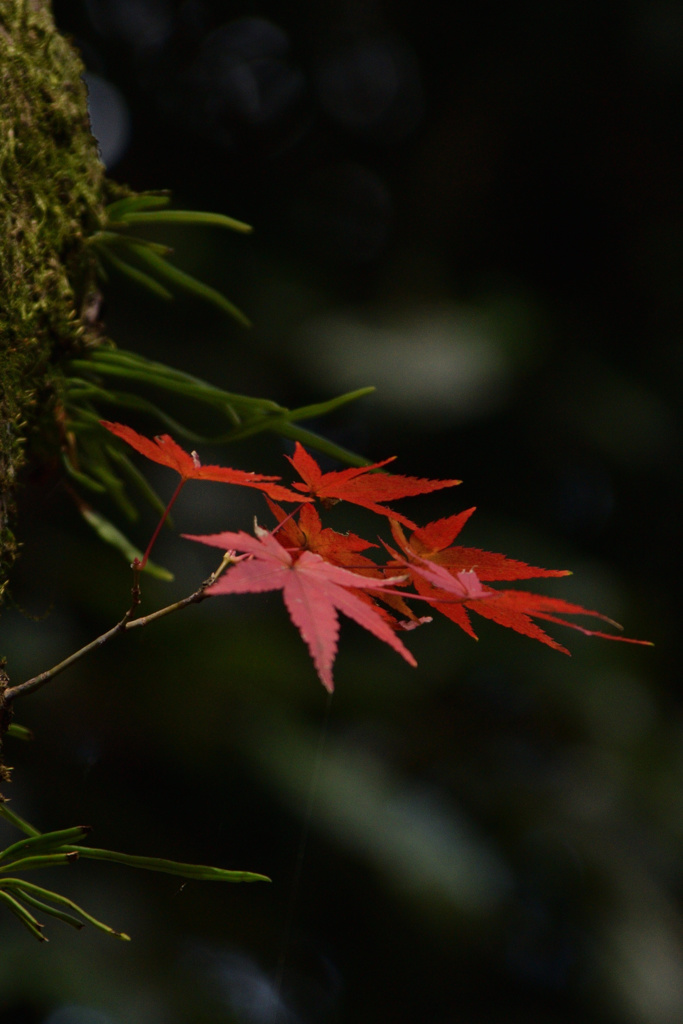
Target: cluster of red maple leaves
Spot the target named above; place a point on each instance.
(322, 572)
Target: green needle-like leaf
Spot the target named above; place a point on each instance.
(14, 819)
(68, 919)
(20, 732)
(26, 918)
(201, 872)
(139, 276)
(82, 478)
(47, 860)
(44, 842)
(119, 209)
(187, 217)
(139, 480)
(307, 412)
(24, 888)
(110, 534)
(45, 908)
(106, 240)
(321, 444)
(79, 389)
(183, 384)
(188, 282)
(114, 486)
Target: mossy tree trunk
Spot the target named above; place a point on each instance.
(52, 197)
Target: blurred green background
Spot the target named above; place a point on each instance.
(475, 207)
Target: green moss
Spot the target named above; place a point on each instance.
(52, 196)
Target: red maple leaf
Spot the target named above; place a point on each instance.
(434, 568)
(359, 485)
(434, 541)
(164, 450)
(517, 609)
(314, 591)
(308, 534)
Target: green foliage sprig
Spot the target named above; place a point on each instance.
(97, 464)
(95, 461)
(146, 262)
(64, 847)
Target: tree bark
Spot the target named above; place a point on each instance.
(53, 192)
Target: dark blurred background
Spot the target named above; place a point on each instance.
(475, 207)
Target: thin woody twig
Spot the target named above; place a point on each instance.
(198, 595)
(126, 623)
(34, 684)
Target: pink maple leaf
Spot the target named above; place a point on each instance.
(314, 591)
